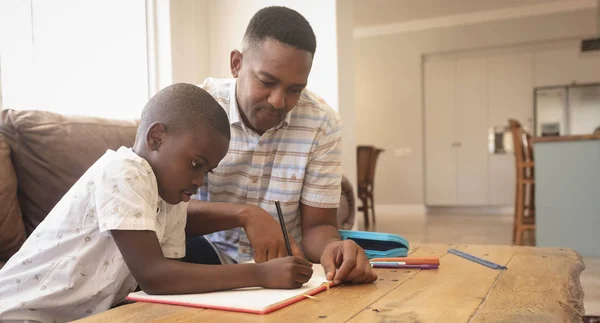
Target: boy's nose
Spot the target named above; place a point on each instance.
(198, 181)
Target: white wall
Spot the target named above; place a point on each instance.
(178, 40)
(389, 91)
(190, 40)
(346, 88)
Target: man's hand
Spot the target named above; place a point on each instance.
(351, 260)
(265, 235)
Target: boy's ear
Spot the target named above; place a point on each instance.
(154, 136)
(235, 62)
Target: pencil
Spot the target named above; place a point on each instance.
(410, 261)
(395, 265)
(283, 229)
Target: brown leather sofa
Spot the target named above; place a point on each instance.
(42, 154)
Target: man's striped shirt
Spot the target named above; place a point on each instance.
(297, 161)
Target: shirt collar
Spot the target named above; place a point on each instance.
(234, 112)
(286, 120)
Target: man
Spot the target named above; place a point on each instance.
(285, 146)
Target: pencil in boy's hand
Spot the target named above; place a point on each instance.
(283, 229)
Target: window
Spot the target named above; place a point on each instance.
(86, 57)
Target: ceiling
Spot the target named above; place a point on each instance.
(378, 12)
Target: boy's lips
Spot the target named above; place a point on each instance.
(190, 191)
(186, 195)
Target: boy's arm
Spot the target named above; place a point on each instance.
(263, 231)
(158, 275)
(124, 195)
(208, 217)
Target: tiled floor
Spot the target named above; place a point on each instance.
(476, 229)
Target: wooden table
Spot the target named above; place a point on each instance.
(540, 285)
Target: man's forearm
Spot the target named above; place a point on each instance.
(208, 217)
(316, 238)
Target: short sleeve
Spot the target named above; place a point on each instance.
(322, 183)
(174, 245)
(125, 197)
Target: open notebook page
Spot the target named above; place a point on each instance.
(254, 300)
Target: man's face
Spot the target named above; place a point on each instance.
(270, 77)
(182, 161)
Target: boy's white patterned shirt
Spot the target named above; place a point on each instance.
(70, 266)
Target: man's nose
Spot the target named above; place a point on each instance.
(277, 99)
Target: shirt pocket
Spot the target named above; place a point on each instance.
(285, 185)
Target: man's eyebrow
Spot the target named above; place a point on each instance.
(272, 77)
(275, 79)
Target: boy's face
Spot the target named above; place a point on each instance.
(181, 161)
(270, 78)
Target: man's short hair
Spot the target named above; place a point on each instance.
(184, 107)
(282, 24)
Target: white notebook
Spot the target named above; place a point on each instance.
(253, 300)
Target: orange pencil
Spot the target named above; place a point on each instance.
(411, 261)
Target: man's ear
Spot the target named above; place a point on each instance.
(235, 62)
(154, 136)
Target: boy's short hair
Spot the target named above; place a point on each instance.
(182, 107)
(282, 24)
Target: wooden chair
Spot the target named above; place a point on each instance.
(366, 159)
(524, 218)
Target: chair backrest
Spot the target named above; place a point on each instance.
(523, 147)
(363, 160)
(373, 162)
(366, 160)
(529, 148)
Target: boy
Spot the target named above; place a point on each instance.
(125, 217)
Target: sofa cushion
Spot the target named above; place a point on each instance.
(12, 232)
(51, 151)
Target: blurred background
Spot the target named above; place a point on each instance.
(479, 121)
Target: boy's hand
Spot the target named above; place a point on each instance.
(284, 273)
(351, 260)
(265, 236)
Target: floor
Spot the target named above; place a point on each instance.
(475, 229)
